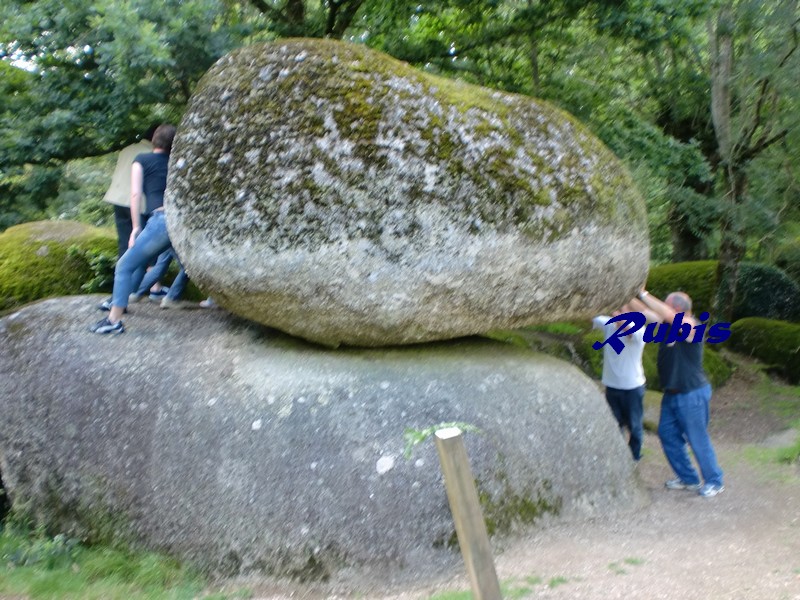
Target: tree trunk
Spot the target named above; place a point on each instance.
(731, 178)
(732, 245)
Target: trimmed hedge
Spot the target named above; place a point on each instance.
(697, 278)
(762, 290)
(50, 258)
(775, 343)
(766, 291)
(717, 369)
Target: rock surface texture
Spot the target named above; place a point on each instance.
(339, 195)
(242, 449)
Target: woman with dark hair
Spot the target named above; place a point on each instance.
(148, 179)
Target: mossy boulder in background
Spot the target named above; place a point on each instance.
(776, 343)
(52, 258)
(340, 195)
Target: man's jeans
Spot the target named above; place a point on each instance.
(128, 275)
(122, 220)
(684, 418)
(627, 407)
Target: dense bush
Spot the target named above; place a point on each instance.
(766, 291)
(717, 368)
(787, 258)
(50, 258)
(762, 290)
(698, 279)
(776, 343)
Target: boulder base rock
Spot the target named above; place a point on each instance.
(241, 449)
(339, 195)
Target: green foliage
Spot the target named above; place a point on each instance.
(775, 343)
(766, 291)
(762, 290)
(36, 566)
(697, 278)
(787, 258)
(36, 261)
(100, 263)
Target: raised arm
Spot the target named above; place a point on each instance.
(664, 311)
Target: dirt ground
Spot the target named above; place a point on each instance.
(742, 544)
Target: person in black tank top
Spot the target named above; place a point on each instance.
(685, 405)
(148, 175)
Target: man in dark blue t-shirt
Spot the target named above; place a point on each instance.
(685, 405)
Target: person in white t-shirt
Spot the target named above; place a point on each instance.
(623, 376)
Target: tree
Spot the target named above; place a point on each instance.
(754, 68)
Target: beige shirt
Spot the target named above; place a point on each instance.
(119, 192)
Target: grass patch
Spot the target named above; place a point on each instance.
(557, 581)
(509, 590)
(36, 566)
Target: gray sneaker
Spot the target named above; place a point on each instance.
(711, 489)
(677, 484)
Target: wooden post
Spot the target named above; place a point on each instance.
(470, 526)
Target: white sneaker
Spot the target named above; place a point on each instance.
(710, 489)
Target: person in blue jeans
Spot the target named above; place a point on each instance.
(149, 180)
(685, 405)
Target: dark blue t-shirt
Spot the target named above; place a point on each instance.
(680, 367)
(154, 167)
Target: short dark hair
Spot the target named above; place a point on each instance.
(163, 136)
(148, 135)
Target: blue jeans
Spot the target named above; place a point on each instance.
(628, 409)
(130, 270)
(159, 271)
(684, 418)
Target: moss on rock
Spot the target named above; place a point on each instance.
(36, 261)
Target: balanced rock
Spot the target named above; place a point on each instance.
(339, 195)
(241, 449)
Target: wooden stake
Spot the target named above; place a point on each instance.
(470, 526)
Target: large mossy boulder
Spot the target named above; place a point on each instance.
(241, 449)
(339, 195)
(51, 258)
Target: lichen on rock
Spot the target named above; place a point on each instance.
(340, 195)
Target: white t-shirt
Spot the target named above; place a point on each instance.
(622, 371)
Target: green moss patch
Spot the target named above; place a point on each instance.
(36, 261)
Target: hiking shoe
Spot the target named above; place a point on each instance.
(106, 326)
(170, 303)
(711, 489)
(106, 305)
(677, 484)
(160, 294)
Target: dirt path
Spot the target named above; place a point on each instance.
(743, 544)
